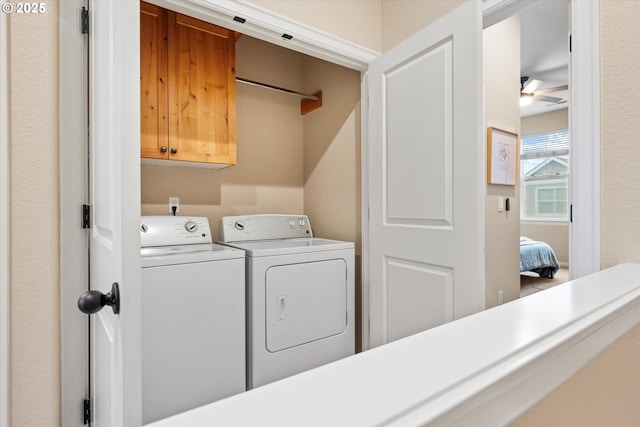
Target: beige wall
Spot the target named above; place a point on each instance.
(555, 234)
(403, 18)
(268, 176)
(332, 190)
(606, 392)
(34, 218)
(501, 58)
(620, 127)
(358, 21)
(553, 120)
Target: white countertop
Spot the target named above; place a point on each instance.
(510, 355)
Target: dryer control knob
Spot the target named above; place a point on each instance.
(239, 225)
(191, 226)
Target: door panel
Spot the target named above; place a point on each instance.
(305, 302)
(429, 286)
(114, 175)
(426, 189)
(419, 171)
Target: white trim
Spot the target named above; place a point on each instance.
(74, 346)
(584, 126)
(531, 346)
(267, 25)
(494, 11)
(5, 306)
(364, 197)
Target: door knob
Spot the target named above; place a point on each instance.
(163, 149)
(92, 301)
(174, 150)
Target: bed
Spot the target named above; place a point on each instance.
(537, 257)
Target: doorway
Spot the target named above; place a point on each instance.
(545, 158)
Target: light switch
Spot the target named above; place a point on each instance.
(500, 204)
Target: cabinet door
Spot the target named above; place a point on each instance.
(202, 103)
(154, 120)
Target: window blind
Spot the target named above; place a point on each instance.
(545, 145)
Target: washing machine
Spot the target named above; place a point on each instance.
(193, 316)
(300, 295)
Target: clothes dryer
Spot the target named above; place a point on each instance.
(192, 314)
(300, 295)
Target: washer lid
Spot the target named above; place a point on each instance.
(290, 246)
(186, 254)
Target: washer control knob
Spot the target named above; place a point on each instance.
(239, 225)
(302, 222)
(292, 222)
(191, 226)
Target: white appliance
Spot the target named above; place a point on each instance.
(193, 316)
(300, 295)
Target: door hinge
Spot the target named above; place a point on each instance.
(570, 41)
(571, 213)
(86, 217)
(86, 405)
(85, 21)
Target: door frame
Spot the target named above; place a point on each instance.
(74, 243)
(4, 221)
(268, 26)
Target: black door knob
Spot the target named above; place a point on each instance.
(92, 301)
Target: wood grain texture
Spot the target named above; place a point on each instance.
(154, 132)
(202, 105)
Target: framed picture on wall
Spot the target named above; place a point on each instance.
(502, 157)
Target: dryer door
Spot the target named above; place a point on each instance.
(305, 302)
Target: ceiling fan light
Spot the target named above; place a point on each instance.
(526, 100)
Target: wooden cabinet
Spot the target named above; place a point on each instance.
(187, 88)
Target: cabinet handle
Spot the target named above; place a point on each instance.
(174, 150)
(163, 149)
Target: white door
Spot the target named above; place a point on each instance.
(115, 210)
(426, 187)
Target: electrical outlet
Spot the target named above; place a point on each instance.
(174, 201)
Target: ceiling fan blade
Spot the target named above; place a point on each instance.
(551, 89)
(532, 86)
(544, 98)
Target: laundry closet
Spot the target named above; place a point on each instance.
(286, 162)
(277, 155)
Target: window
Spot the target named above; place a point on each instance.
(544, 169)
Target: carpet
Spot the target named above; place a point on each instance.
(530, 283)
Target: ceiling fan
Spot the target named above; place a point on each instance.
(528, 92)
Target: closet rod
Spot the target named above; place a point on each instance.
(279, 89)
